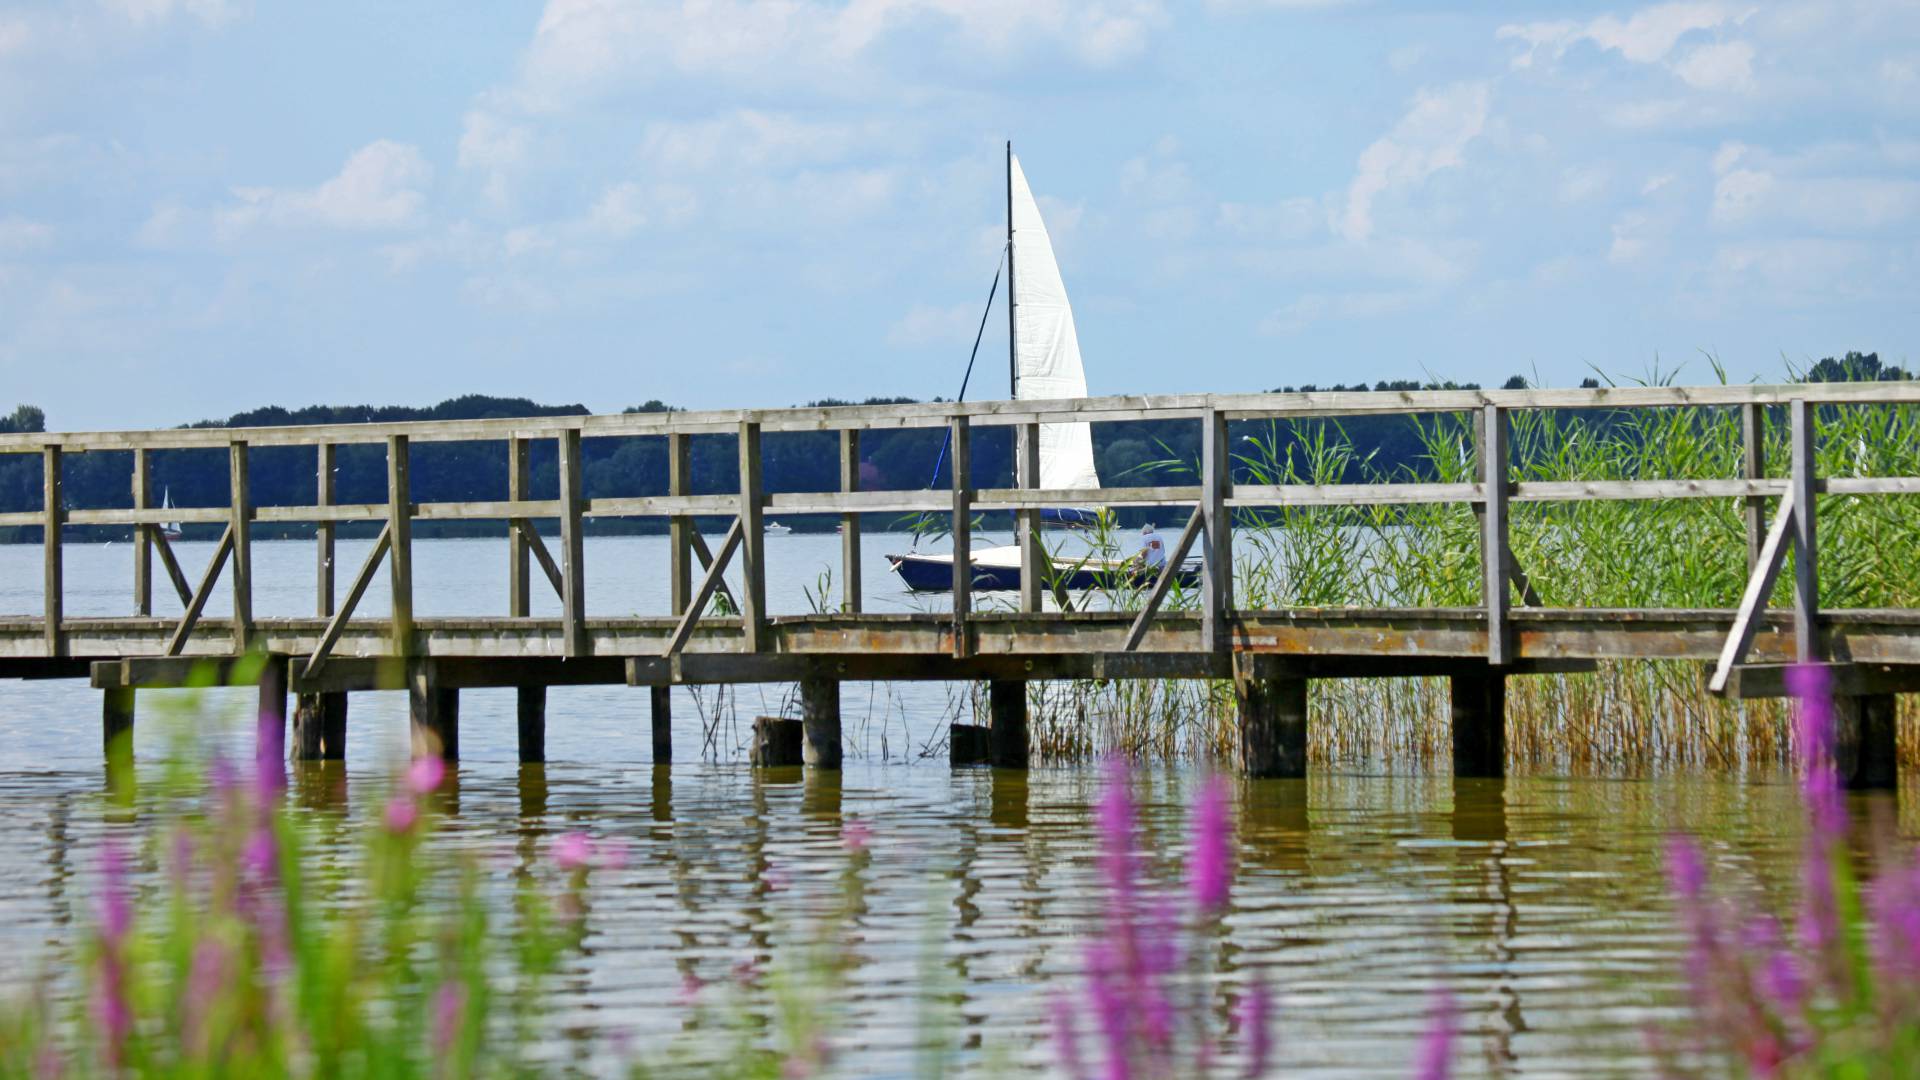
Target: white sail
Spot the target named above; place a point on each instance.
(1046, 347)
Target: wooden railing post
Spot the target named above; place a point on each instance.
(753, 540)
(1216, 582)
(680, 526)
(240, 510)
(962, 470)
(400, 542)
(1753, 440)
(1806, 578)
(573, 568)
(850, 583)
(142, 535)
(325, 533)
(1026, 467)
(52, 513)
(519, 554)
(1494, 560)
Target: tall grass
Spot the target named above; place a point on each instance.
(1671, 553)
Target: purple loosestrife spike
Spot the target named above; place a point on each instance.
(1812, 686)
(1114, 819)
(402, 814)
(572, 851)
(449, 1007)
(856, 836)
(1256, 1024)
(425, 774)
(1212, 847)
(1435, 1058)
(269, 752)
(113, 906)
(112, 999)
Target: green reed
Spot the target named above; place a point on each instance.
(1667, 553)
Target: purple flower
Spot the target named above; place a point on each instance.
(1434, 1061)
(1211, 870)
(572, 851)
(112, 998)
(856, 836)
(113, 905)
(425, 774)
(1066, 1038)
(1256, 1024)
(449, 1007)
(1811, 684)
(270, 750)
(1114, 820)
(402, 814)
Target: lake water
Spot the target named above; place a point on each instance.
(1538, 900)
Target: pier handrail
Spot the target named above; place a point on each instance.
(1215, 496)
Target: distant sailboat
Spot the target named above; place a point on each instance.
(774, 528)
(1044, 363)
(168, 529)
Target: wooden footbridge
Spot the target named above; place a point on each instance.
(1269, 654)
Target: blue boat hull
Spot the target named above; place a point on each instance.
(922, 574)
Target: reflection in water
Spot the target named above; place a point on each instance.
(1538, 901)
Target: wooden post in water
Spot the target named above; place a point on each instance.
(1007, 723)
(433, 712)
(1753, 445)
(961, 462)
(142, 535)
(753, 541)
(573, 548)
(1866, 748)
(52, 513)
(320, 719)
(1807, 646)
(270, 733)
(400, 543)
(1479, 724)
(1272, 704)
(1216, 582)
(531, 713)
(116, 723)
(820, 721)
(851, 587)
(661, 699)
(776, 742)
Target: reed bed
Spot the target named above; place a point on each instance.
(1678, 553)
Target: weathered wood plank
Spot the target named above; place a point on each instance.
(1753, 601)
(680, 527)
(851, 587)
(338, 623)
(708, 584)
(519, 565)
(1027, 521)
(753, 539)
(1753, 461)
(1161, 584)
(198, 602)
(1216, 582)
(960, 466)
(172, 564)
(573, 548)
(326, 534)
(52, 511)
(1806, 577)
(1496, 588)
(142, 482)
(240, 504)
(529, 537)
(400, 543)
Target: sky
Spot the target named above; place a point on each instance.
(211, 205)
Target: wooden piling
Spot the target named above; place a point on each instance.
(116, 723)
(850, 583)
(1866, 753)
(969, 744)
(776, 742)
(532, 713)
(1007, 723)
(661, 699)
(1479, 724)
(1273, 719)
(573, 549)
(142, 534)
(820, 718)
(400, 542)
(270, 734)
(434, 712)
(240, 512)
(320, 727)
(52, 514)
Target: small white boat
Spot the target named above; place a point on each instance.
(168, 529)
(774, 528)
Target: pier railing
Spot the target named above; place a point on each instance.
(697, 573)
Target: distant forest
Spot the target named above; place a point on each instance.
(1126, 453)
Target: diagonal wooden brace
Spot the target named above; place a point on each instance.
(1754, 601)
(179, 579)
(708, 586)
(541, 555)
(198, 602)
(338, 624)
(1188, 535)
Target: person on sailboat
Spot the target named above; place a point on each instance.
(1153, 551)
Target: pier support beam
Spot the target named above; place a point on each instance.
(1007, 723)
(1864, 742)
(320, 727)
(116, 723)
(532, 713)
(1479, 724)
(1273, 719)
(434, 711)
(776, 742)
(662, 702)
(820, 718)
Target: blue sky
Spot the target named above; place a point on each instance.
(207, 205)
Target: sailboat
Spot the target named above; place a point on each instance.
(168, 529)
(1044, 363)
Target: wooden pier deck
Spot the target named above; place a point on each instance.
(1268, 654)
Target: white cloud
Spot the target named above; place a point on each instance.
(1739, 193)
(1726, 66)
(1580, 184)
(380, 187)
(747, 140)
(925, 324)
(489, 142)
(15, 34)
(1432, 136)
(1644, 38)
(210, 12)
(618, 211)
(19, 234)
(1321, 307)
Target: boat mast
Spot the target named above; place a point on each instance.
(1013, 356)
